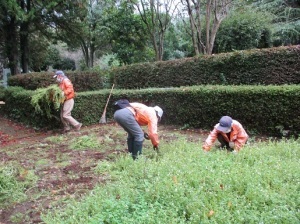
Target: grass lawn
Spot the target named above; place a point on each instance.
(182, 184)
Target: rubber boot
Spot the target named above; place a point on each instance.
(130, 144)
(137, 149)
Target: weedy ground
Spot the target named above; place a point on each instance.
(40, 171)
(88, 177)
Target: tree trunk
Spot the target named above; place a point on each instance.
(193, 28)
(24, 47)
(24, 32)
(207, 22)
(11, 45)
(216, 12)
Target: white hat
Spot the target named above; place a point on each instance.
(159, 111)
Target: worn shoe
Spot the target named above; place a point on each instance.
(77, 127)
(66, 130)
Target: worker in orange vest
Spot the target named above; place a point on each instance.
(68, 91)
(230, 133)
(131, 116)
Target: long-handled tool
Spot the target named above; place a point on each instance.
(103, 117)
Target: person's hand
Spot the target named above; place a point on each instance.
(146, 136)
(231, 145)
(62, 93)
(155, 148)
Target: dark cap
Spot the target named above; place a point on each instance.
(59, 72)
(224, 124)
(122, 103)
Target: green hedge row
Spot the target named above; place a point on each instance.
(271, 66)
(269, 110)
(82, 81)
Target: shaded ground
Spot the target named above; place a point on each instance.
(62, 172)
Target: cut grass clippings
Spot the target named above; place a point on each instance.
(46, 99)
(183, 184)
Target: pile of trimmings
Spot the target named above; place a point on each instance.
(44, 100)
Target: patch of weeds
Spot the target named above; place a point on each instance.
(42, 162)
(13, 183)
(56, 139)
(112, 156)
(17, 218)
(62, 157)
(184, 127)
(42, 146)
(63, 163)
(84, 142)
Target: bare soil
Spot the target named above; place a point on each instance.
(63, 173)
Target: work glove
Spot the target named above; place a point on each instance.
(235, 152)
(155, 148)
(146, 136)
(231, 145)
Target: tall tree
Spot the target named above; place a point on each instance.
(157, 15)
(18, 19)
(128, 35)
(208, 14)
(9, 14)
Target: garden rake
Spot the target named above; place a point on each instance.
(103, 117)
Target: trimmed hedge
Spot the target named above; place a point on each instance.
(271, 66)
(82, 81)
(18, 107)
(271, 110)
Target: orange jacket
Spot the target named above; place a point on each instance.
(238, 135)
(67, 87)
(145, 115)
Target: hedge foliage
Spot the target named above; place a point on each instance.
(271, 66)
(82, 81)
(271, 110)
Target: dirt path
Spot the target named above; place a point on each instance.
(14, 133)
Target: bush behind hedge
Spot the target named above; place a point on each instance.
(271, 66)
(82, 81)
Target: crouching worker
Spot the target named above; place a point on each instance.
(131, 116)
(230, 134)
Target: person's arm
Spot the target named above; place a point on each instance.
(152, 129)
(241, 138)
(210, 140)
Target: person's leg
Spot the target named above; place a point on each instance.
(66, 113)
(137, 149)
(126, 119)
(130, 145)
(65, 123)
(224, 143)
